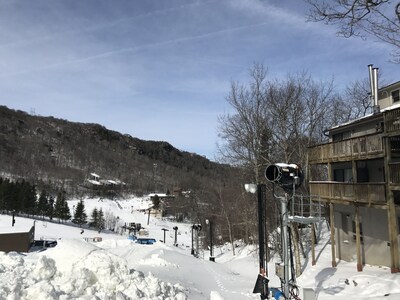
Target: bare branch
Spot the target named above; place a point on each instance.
(377, 18)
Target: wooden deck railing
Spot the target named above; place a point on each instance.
(368, 193)
(392, 120)
(355, 148)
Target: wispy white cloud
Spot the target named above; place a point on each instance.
(143, 47)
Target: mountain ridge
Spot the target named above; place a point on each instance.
(49, 150)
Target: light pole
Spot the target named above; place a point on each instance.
(148, 217)
(212, 258)
(195, 230)
(261, 285)
(175, 228)
(164, 229)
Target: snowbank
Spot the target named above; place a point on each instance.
(78, 270)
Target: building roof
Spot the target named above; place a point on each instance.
(366, 117)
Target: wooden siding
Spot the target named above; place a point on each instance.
(365, 193)
(364, 147)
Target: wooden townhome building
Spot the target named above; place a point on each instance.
(357, 175)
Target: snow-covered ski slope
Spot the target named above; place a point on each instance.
(117, 268)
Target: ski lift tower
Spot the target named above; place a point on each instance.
(294, 208)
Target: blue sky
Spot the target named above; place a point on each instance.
(161, 69)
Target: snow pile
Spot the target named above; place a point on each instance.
(88, 273)
(156, 260)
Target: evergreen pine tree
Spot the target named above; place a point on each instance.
(43, 204)
(156, 201)
(101, 220)
(66, 214)
(30, 199)
(80, 216)
(18, 190)
(50, 208)
(58, 207)
(94, 218)
(2, 185)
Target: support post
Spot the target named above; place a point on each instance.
(332, 225)
(285, 247)
(391, 212)
(295, 235)
(313, 261)
(358, 240)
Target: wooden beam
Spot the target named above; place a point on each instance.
(358, 240)
(332, 219)
(391, 210)
(394, 243)
(313, 261)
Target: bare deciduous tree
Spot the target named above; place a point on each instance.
(378, 18)
(245, 134)
(274, 120)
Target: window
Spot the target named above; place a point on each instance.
(396, 96)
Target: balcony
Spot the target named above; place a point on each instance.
(342, 192)
(392, 121)
(364, 147)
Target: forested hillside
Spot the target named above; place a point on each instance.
(56, 156)
(46, 150)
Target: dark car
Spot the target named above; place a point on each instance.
(44, 243)
(145, 241)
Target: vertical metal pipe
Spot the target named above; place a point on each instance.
(211, 243)
(261, 228)
(197, 241)
(192, 251)
(375, 86)
(285, 248)
(211, 240)
(371, 84)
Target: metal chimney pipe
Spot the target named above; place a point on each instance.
(375, 76)
(371, 81)
(375, 86)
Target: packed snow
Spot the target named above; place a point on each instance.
(104, 265)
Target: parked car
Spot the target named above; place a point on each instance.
(145, 241)
(41, 245)
(44, 243)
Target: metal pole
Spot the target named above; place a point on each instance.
(164, 229)
(192, 252)
(261, 228)
(211, 243)
(285, 245)
(176, 236)
(197, 240)
(262, 280)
